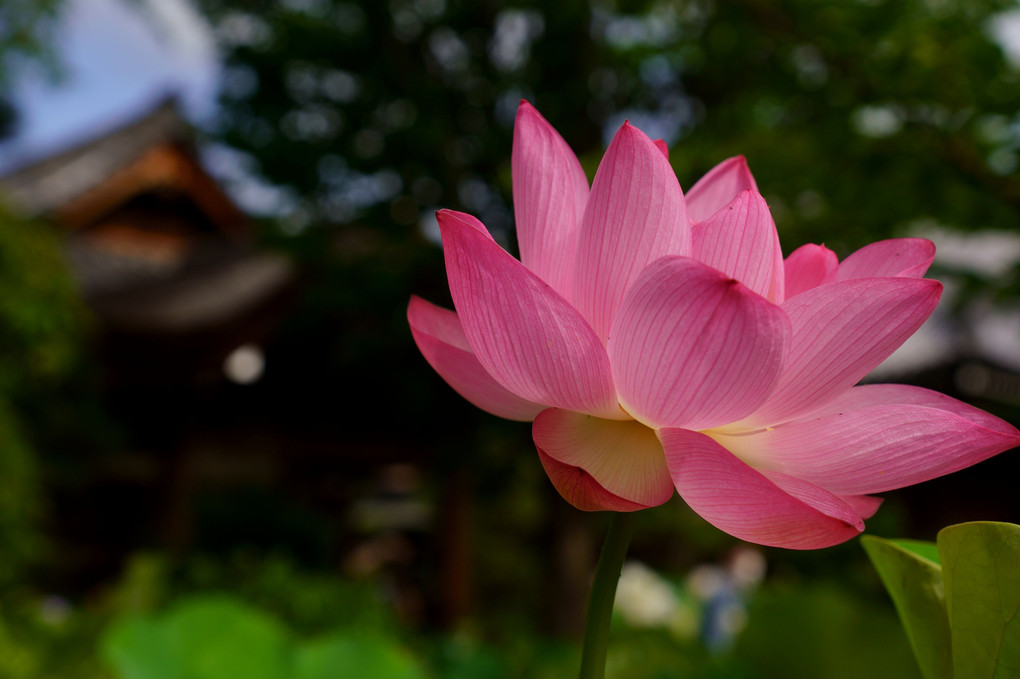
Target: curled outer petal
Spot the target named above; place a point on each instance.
(863, 449)
(870, 395)
(694, 348)
(530, 339)
(601, 464)
(776, 510)
(440, 338)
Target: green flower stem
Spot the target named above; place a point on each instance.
(603, 592)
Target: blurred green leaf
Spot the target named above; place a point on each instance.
(922, 548)
(219, 637)
(137, 647)
(207, 637)
(822, 631)
(914, 581)
(224, 638)
(981, 570)
(355, 657)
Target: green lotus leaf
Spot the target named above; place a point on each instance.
(981, 570)
(914, 581)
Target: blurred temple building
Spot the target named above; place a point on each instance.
(159, 252)
(187, 308)
(184, 304)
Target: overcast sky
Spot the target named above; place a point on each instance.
(119, 58)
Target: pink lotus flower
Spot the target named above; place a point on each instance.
(659, 341)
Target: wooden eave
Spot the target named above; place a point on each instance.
(164, 167)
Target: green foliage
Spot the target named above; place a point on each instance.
(356, 656)
(858, 119)
(20, 504)
(26, 40)
(44, 637)
(959, 610)
(914, 581)
(41, 323)
(817, 631)
(821, 630)
(260, 618)
(897, 96)
(26, 35)
(42, 316)
(218, 637)
(311, 603)
(981, 571)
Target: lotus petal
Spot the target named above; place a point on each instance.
(808, 267)
(869, 395)
(873, 449)
(636, 214)
(907, 257)
(622, 458)
(741, 241)
(530, 339)
(743, 502)
(550, 191)
(692, 347)
(841, 331)
(439, 336)
(718, 187)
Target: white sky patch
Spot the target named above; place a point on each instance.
(998, 337)
(990, 254)
(933, 344)
(120, 59)
(514, 32)
(237, 171)
(1005, 30)
(876, 121)
(189, 41)
(983, 330)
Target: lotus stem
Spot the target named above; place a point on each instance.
(603, 593)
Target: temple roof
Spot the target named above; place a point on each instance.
(155, 244)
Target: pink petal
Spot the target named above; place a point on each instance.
(808, 267)
(739, 500)
(718, 187)
(865, 505)
(464, 219)
(872, 449)
(440, 338)
(579, 488)
(841, 331)
(661, 145)
(815, 497)
(692, 347)
(583, 454)
(868, 395)
(550, 191)
(741, 241)
(635, 215)
(908, 257)
(521, 330)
